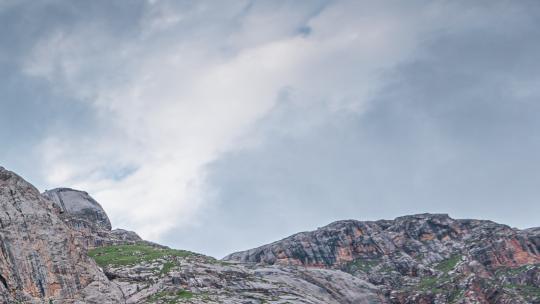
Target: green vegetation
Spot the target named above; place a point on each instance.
(527, 291)
(170, 297)
(449, 264)
(434, 284)
(362, 264)
(456, 296)
(167, 266)
(513, 271)
(133, 254)
(429, 284)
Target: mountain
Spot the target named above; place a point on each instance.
(424, 258)
(58, 247)
(82, 209)
(83, 214)
(42, 258)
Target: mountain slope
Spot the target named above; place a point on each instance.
(85, 215)
(42, 259)
(428, 258)
(50, 244)
(159, 275)
(59, 248)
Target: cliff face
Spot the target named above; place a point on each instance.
(426, 237)
(83, 210)
(50, 244)
(85, 215)
(59, 248)
(157, 275)
(41, 258)
(426, 258)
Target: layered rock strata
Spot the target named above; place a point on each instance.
(41, 258)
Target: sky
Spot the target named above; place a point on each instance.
(218, 126)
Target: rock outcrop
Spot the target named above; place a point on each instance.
(41, 258)
(425, 258)
(158, 275)
(59, 248)
(82, 209)
(84, 214)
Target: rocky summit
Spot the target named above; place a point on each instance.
(424, 258)
(41, 258)
(58, 247)
(83, 214)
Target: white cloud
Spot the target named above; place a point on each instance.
(171, 105)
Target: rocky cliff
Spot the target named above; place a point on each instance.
(156, 275)
(50, 245)
(59, 248)
(425, 258)
(84, 214)
(82, 209)
(41, 258)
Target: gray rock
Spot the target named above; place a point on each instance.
(82, 208)
(202, 279)
(84, 214)
(41, 258)
(46, 241)
(423, 258)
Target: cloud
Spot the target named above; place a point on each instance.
(185, 113)
(446, 132)
(173, 100)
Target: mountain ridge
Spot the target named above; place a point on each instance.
(380, 221)
(58, 247)
(415, 251)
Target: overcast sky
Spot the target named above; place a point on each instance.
(223, 125)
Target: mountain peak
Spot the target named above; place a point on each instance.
(40, 255)
(80, 205)
(48, 242)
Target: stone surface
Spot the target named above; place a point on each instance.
(194, 278)
(50, 244)
(84, 214)
(41, 258)
(424, 258)
(81, 207)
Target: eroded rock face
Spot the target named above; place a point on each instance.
(82, 208)
(46, 245)
(430, 237)
(84, 214)
(425, 258)
(41, 258)
(183, 277)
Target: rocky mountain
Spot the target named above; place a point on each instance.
(150, 275)
(58, 247)
(83, 214)
(41, 258)
(425, 258)
(82, 209)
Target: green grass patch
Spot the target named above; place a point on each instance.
(527, 291)
(514, 271)
(449, 264)
(430, 284)
(456, 296)
(167, 267)
(170, 297)
(362, 264)
(119, 255)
